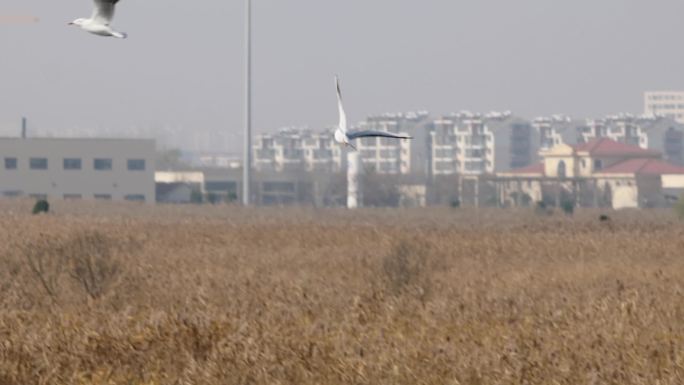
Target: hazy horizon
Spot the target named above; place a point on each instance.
(184, 69)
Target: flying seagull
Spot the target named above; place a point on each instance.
(98, 23)
(342, 136)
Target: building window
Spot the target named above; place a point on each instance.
(72, 196)
(72, 164)
(135, 198)
(136, 164)
(598, 164)
(38, 163)
(10, 163)
(102, 164)
(103, 197)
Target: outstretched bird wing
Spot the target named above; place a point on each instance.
(340, 107)
(104, 11)
(384, 134)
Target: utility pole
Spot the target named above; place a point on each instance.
(247, 156)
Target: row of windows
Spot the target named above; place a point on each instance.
(105, 197)
(101, 164)
(666, 97)
(667, 106)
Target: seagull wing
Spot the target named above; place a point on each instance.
(104, 11)
(340, 107)
(384, 134)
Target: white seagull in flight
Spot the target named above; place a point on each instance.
(98, 23)
(342, 136)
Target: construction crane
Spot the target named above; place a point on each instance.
(18, 19)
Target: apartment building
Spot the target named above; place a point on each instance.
(665, 103)
(659, 133)
(296, 150)
(475, 144)
(558, 129)
(106, 169)
(392, 156)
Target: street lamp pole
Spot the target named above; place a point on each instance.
(247, 156)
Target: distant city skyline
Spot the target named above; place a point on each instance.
(533, 57)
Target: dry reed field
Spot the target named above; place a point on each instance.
(120, 294)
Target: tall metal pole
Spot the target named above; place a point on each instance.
(247, 156)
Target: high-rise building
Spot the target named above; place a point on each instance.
(474, 144)
(659, 133)
(665, 103)
(296, 150)
(558, 129)
(396, 156)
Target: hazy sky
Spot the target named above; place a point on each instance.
(182, 64)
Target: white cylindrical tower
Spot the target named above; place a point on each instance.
(354, 169)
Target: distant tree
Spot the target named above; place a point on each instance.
(42, 206)
(568, 207)
(543, 208)
(169, 159)
(231, 197)
(196, 196)
(679, 208)
(334, 189)
(606, 199)
(379, 190)
(213, 198)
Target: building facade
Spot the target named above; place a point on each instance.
(391, 156)
(105, 169)
(599, 173)
(558, 129)
(665, 103)
(659, 133)
(297, 150)
(473, 144)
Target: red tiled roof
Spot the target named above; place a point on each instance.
(609, 147)
(531, 169)
(643, 166)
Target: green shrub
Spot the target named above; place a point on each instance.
(42, 206)
(542, 208)
(568, 207)
(679, 207)
(196, 196)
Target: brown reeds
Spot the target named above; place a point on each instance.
(135, 295)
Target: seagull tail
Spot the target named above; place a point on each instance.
(120, 35)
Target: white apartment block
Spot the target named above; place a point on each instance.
(558, 129)
(474, 144)
(394, 156)
(106, 169)
(296, 150)
(665, 103)
(659, 133)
